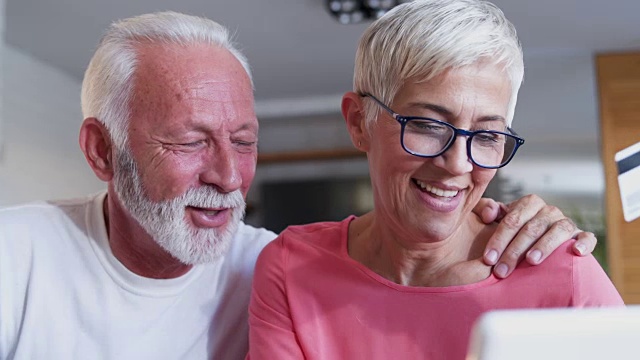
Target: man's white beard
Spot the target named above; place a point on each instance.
(166, 220)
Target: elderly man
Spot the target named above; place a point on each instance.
(160, 265)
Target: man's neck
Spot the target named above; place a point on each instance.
(134, 247)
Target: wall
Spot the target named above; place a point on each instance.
(558, 115)
(2, 21)
(557, 108)
(41, 114)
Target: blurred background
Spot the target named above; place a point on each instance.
(301, 53)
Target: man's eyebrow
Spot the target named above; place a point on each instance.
(205, 126)
(248, 126)
(448, 113)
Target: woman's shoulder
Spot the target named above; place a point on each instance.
(590, 284)
(311, 230)
(299, 239)
(322, 234)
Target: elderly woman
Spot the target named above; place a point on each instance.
(436, 84)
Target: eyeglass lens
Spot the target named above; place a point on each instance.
(429, 138)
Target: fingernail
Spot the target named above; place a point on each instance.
(581, 248)
(501, 270)
(535, 255)
(491, 256)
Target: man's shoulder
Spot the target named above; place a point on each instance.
(32, 209)
(44, 211)
(30, 213)
(239, 261)
(247, 244)
(46, 223)
(248, 235)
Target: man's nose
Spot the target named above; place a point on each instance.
(221, 169)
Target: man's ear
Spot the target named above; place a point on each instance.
(96, 145)
(353, 113)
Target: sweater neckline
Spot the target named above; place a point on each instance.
(344, 253)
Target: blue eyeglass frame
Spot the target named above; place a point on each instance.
(403, 120)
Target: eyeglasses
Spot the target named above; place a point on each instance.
(430, 138)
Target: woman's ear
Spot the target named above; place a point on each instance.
(96, 145)
(353, 113)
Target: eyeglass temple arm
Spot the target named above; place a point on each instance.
(395, 116)
(513, 132)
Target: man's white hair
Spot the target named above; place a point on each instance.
(108, 81)
(423, 38)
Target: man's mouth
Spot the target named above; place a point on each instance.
(207, 212)
(209, 217)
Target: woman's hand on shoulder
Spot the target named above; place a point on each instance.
(528, 227)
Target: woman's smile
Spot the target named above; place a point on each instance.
(438, 198)
(444, 193)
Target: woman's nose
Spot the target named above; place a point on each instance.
(455, 160)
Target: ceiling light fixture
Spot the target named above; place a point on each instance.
(357, 11)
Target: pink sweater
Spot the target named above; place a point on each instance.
(312, 301)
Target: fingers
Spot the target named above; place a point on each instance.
(559, 232)
(532, 229)
(488, 210)
(536, 240)
(535, 235)
(518, 214)
(585, 243)
(502, 211)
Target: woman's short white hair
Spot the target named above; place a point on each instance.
(423, 38)
(108, 81)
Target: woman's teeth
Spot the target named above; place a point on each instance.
(436, 191)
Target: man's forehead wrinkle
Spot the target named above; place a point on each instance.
(207, 87)
(195, 92)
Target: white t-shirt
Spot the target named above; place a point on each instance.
(63, 295)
